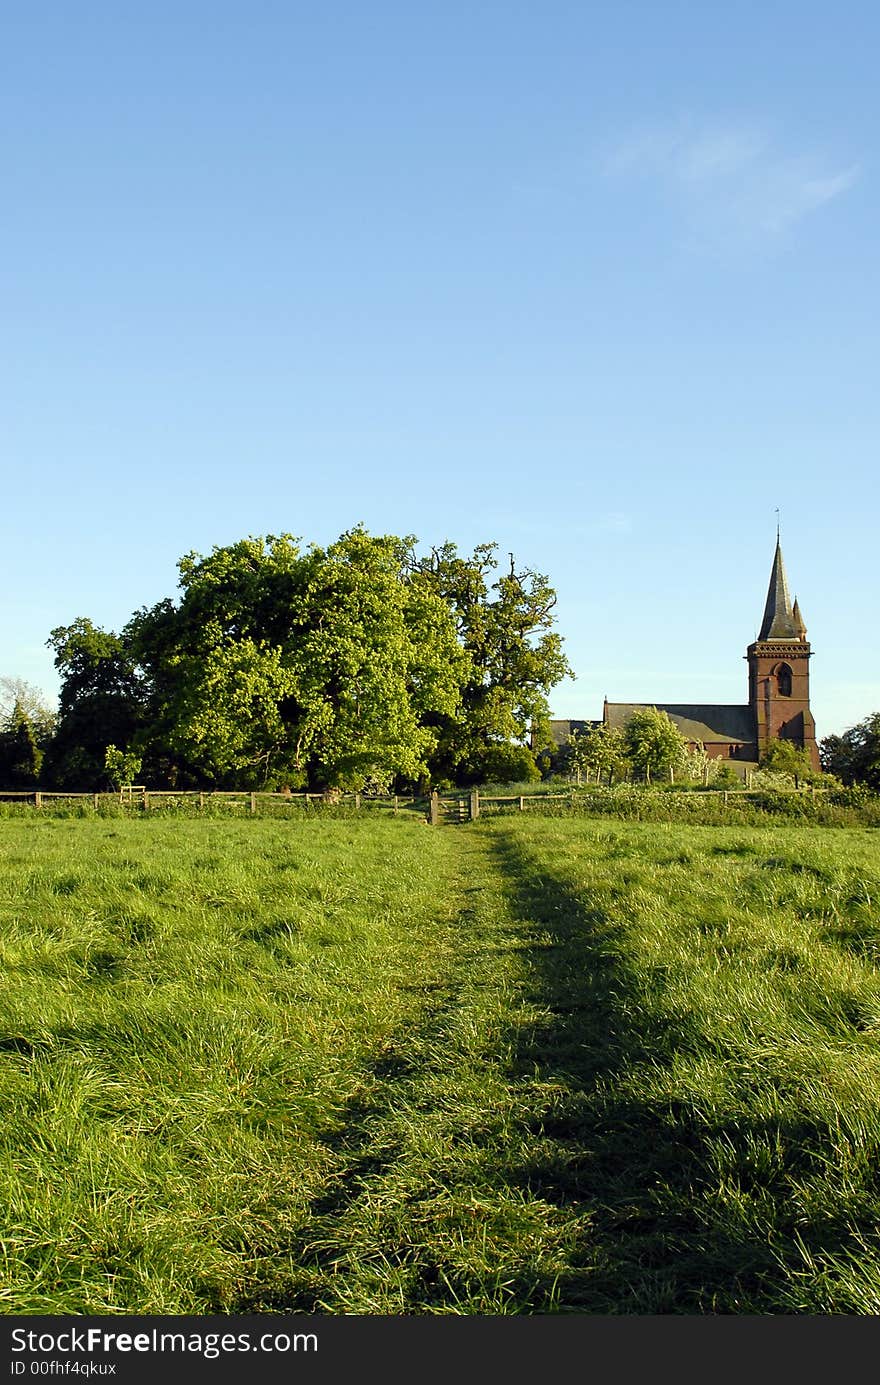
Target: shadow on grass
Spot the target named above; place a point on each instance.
(658, 1205)
(661, 1235)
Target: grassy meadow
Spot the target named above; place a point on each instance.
(357, 1065)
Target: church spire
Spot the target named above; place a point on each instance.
(779, 672)
(779, 620)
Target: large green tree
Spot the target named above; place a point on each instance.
(280, 665)
(322, 666)
(514, 658)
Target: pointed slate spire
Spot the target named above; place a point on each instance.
(798, 621)
(779, 621)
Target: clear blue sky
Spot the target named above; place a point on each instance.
(596, 282)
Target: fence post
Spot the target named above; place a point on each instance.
(395, 803)
(253, 803)
(474, 804)
(357, 800)
(434, 810)
(146, 800)
(201, 801)
(95, 800)
(725, 798)
(38, 799)
(522, 804)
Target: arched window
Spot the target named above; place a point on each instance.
(783, 680)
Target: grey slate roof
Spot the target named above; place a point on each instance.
(696, 721)
(561, 730)
(779, 621)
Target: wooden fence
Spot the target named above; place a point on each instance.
(144, 799)
(438, 808)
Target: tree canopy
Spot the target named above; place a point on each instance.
(20, 753)
(651, 741)
(99, 703)
(282, 664)
(784, 757)
(17, 695)
(596, 752)
(513, 659)
(854, 757)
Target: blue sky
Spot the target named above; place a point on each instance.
(595, 282)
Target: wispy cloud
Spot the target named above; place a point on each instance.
(728, 181)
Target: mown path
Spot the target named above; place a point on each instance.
(482, 1166)
(417, 1214)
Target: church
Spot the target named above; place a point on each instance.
(779, 693)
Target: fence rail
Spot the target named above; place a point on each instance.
(148, 798)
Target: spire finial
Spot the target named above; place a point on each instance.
(777, 523)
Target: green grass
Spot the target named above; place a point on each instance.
(359, 1065)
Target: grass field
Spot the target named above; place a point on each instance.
(524, 1065)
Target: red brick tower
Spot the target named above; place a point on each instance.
(779, 671)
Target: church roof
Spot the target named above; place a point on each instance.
(779, 621)
(696, 721)
(561, 730)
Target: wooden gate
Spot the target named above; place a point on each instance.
(448, 808)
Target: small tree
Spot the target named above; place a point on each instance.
(595, 752)
(121, 766)
(784, 757)
(509, 763)
(726, 777)
(699, 767)
(652, 741)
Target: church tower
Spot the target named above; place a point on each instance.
(779, 671)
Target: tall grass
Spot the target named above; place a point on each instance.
(705, 1073)
(362, 1066)
(186, 1010)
